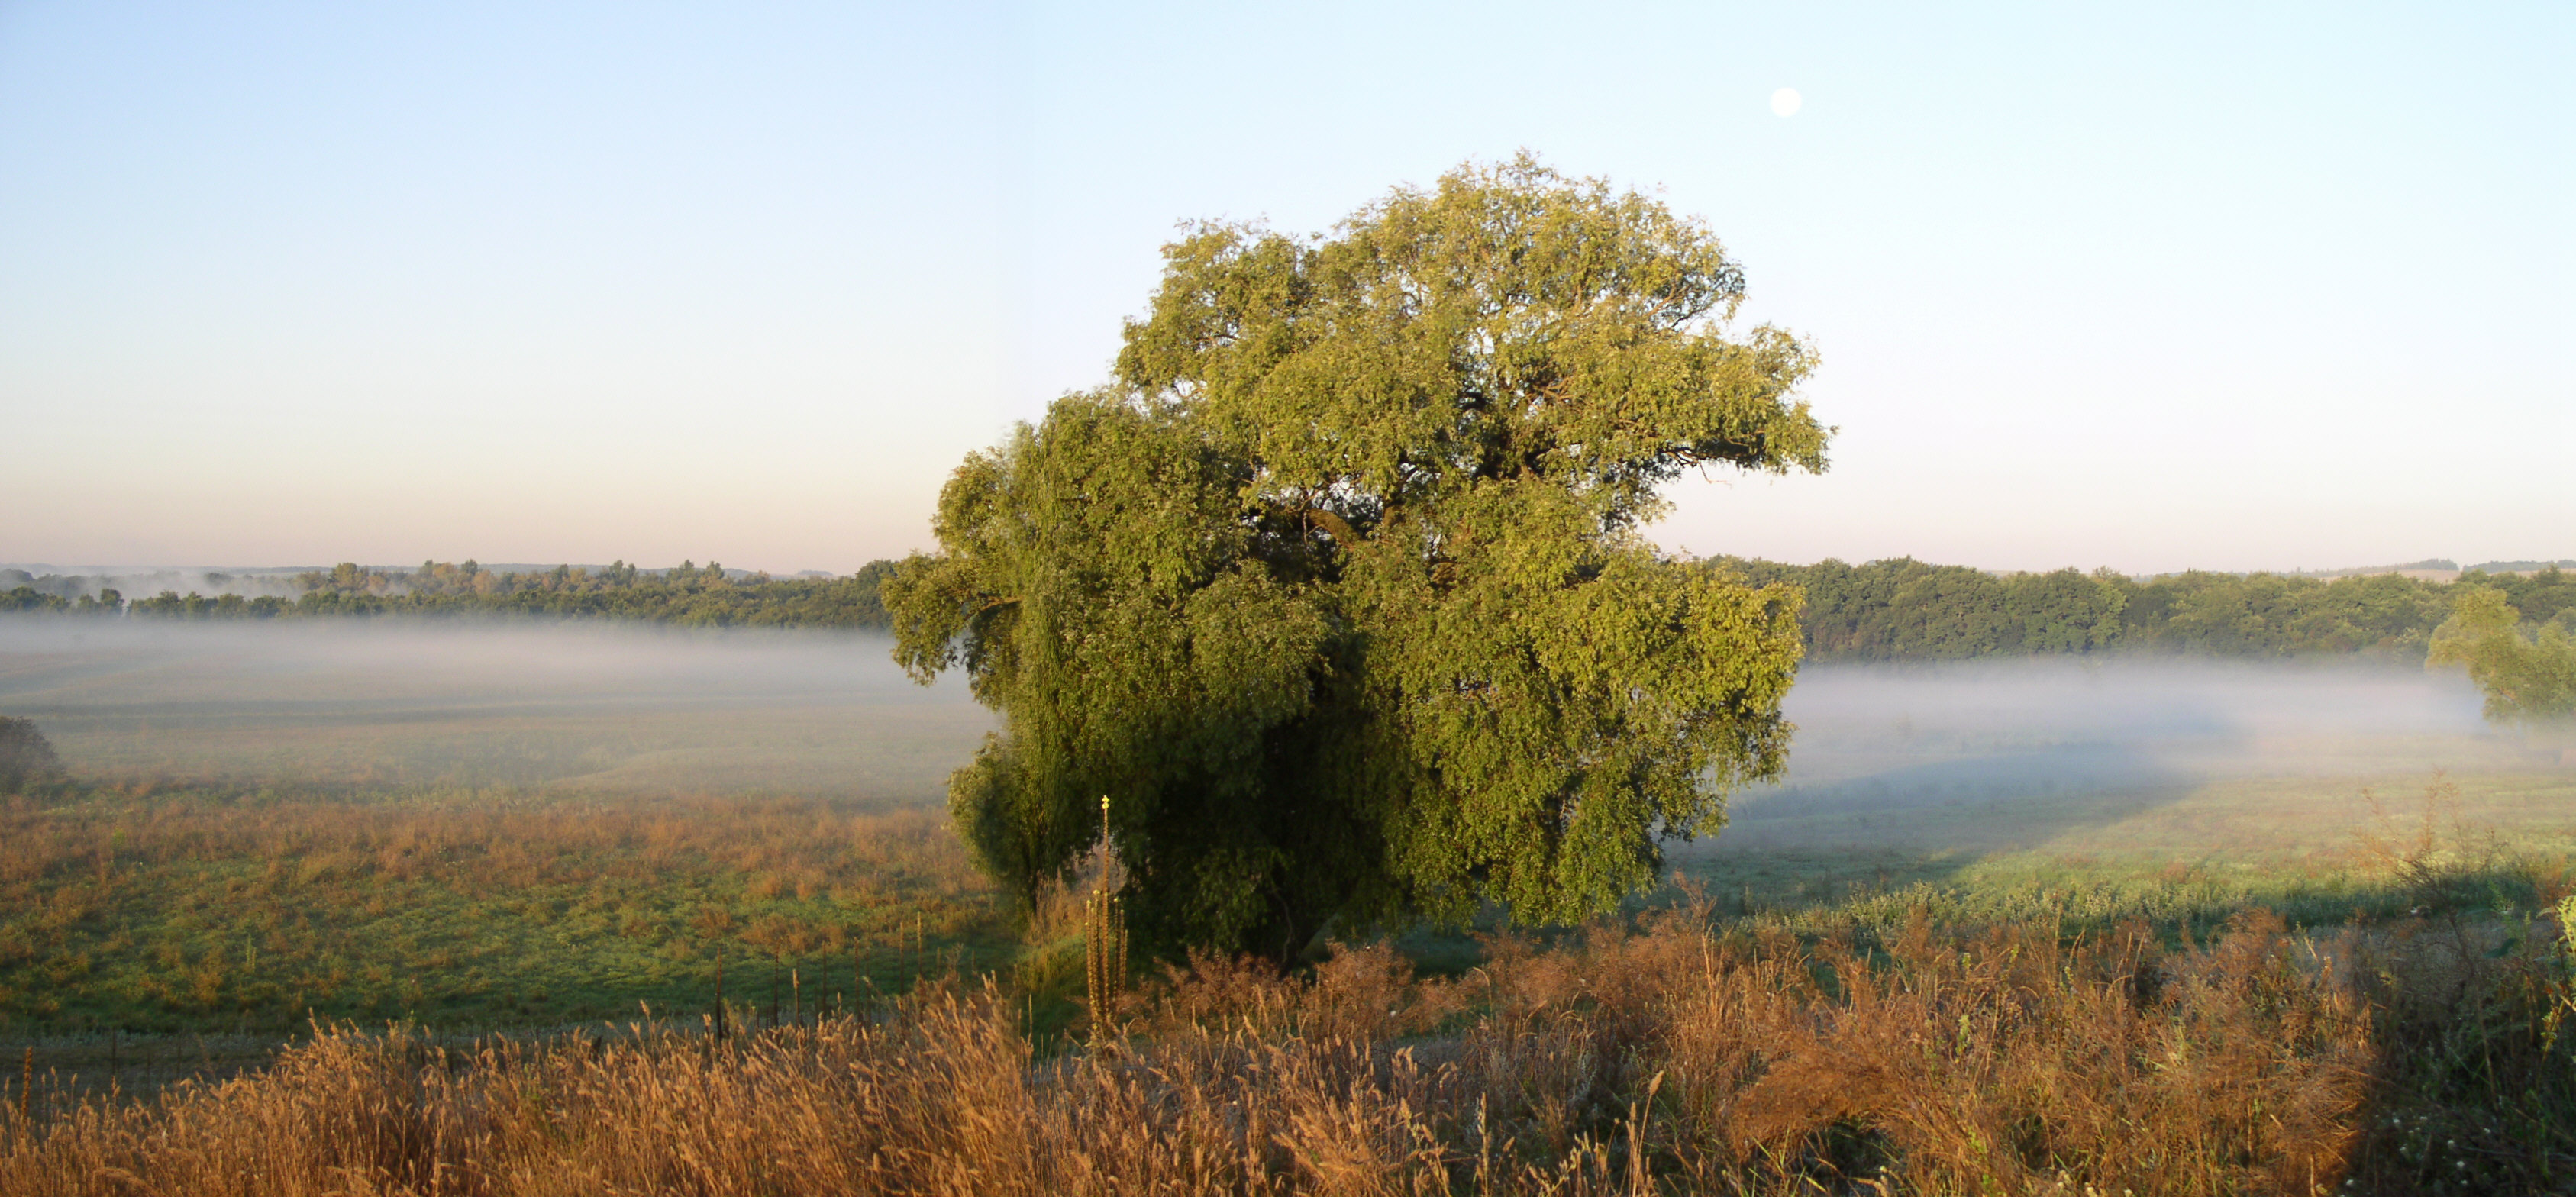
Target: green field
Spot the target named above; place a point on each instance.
(481, 828)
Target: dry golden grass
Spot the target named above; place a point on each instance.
(1669, 1059)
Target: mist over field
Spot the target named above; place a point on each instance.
(1340, 489)
(2136, 754)
(617, 708)
(2100, 756)
(470, 824)
(2108, 718)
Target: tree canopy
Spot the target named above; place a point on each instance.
(2526, 680)
(1906, 610)
(1336, 592)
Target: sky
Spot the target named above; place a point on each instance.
(2147, 287)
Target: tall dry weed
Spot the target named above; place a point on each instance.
(1665, 1060)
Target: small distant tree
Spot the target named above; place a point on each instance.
(25, 758)
(1338, 591)
(2528, 680)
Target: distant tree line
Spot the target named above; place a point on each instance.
(1893, 610)
(28, 598)
(690, 595)
(1906, 610)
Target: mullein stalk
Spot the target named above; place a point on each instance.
(1104, 939)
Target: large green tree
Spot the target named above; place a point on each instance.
(1337, 593)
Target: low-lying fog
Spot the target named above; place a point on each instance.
(2097, 755)
(2071, 720)
(2122, 754)
(591, 706)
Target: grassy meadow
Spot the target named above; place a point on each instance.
(482, 828)
(532, 852)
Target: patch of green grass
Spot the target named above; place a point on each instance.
(211, 910)
(2318, 850)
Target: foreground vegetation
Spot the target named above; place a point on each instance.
(539, 976)
(208, 909)
(2410, 1058)
(201, 909)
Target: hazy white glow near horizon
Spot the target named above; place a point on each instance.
(2155, 289)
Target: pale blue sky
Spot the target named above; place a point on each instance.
(2150, 288)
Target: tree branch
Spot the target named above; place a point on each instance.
(1333, 525)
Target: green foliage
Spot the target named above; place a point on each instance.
(687, 596)
(2273, 615)
(1905, 610)
(1095, 588)
(1337, 594)
(170, 604)
(2529, 680)
(206, 907)
(27, 599)
(2543, 596)
(25, 757)
(1892, 610)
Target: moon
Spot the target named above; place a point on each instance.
(1785, 101)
